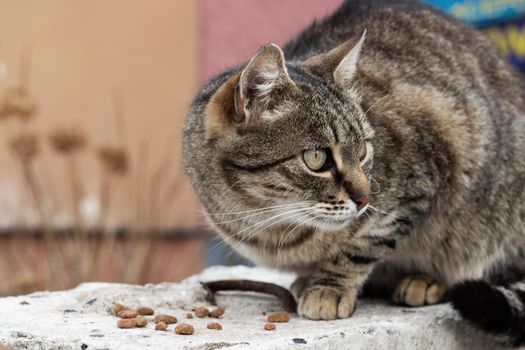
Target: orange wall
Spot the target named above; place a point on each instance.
(84, 51)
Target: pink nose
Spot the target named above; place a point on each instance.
(361, 201)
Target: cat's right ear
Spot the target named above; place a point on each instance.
(245, 97)
(339, 64)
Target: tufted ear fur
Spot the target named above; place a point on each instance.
(339, 64)
(247, 95)
(261, 82)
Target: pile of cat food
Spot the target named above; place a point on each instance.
(140, 317)
(136, 318)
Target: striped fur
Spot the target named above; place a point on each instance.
(419, 115)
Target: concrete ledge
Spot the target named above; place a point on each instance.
(80, 319)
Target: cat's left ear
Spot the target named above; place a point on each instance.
(339, 64)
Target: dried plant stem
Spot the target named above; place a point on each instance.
(25, 148)
(142, 170)
(20, 268)
(140, 254)
(51, 186)
(35, 190)
(56, 255)
(118, 161)
(120, 117)
(155, 190)
(24, 73)
(105, 197)
(106, 239)
(76, 190)
(171, 192)
(157, 205)
(54, 252)
(137, 233)
(80, 239)
(136, 253)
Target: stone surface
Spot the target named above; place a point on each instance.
(80, 319)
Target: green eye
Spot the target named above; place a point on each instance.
(362, 151)
(315, 159)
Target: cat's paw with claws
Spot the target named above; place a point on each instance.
(317, 302)
(418, 291)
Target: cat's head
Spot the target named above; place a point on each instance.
(290, 142)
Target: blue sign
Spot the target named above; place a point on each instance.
(482, 12)
(502, 20)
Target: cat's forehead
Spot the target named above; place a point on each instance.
(319, 99)
(321, 113)
(303, 125)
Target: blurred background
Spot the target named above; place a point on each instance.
(93, 98)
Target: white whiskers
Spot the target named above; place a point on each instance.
(262, 224)
(267, 223)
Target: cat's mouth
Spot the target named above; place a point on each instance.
(320, 216)
(337, 221)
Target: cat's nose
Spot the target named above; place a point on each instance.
(357, 187)
(361, 201)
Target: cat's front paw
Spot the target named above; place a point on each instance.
(326, 303)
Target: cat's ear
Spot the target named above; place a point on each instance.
(260, 83)
(245, 97)
(338, 64)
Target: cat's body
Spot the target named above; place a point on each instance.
(443, 117)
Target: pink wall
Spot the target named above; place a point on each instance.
(231, 31)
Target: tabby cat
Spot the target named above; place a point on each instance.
(385, 144)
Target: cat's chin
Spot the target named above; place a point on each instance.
(331, 224)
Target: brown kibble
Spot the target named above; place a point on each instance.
(127, 314)
(127, 323)
(118, 308)
(184, 329)
(141, 321)
(167, 319)
(270, 327)
(277, 317)
(202, 312)
(189, 315)
(216, 313)
(214, 325)
(161, 326)
(145, 311)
